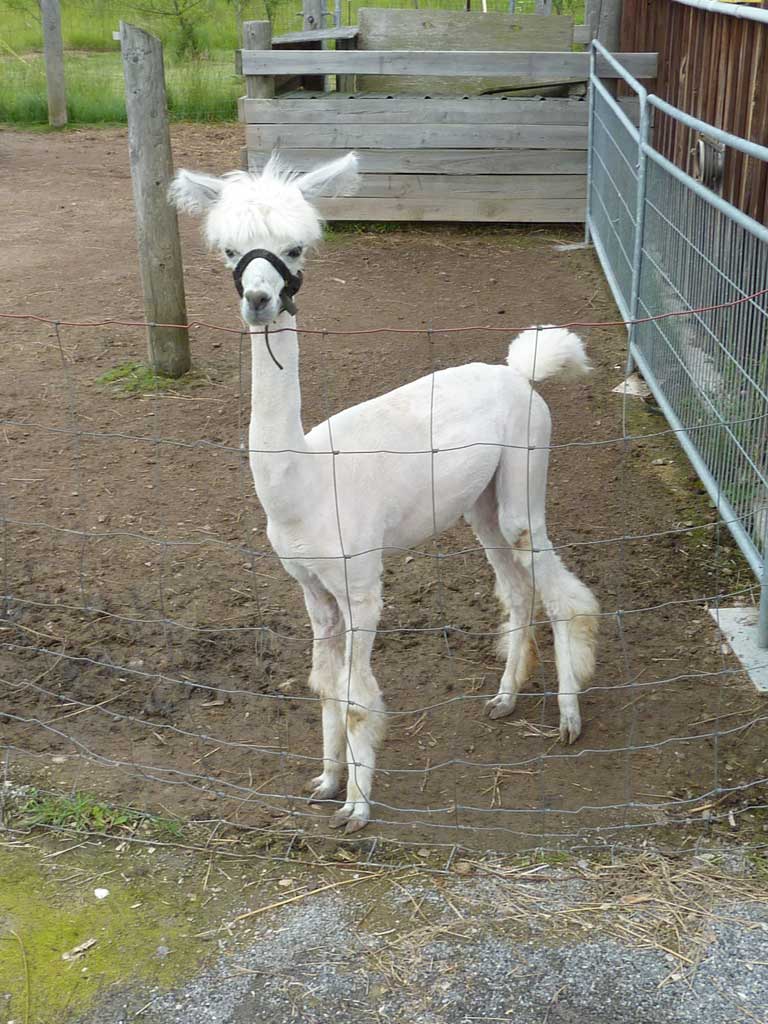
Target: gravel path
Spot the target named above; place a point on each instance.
(450, 952)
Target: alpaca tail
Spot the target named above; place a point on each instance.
(541, 352)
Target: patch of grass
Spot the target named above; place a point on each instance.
(201, 87)
(140, 379)
(82, 812)
(47, 910)
(197, 90)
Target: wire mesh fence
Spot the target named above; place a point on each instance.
(668, 243)
(154, 652)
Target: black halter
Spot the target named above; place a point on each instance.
(291, 282)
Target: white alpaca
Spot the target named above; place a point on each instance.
(479, 436)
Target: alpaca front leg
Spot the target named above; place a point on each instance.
(326, 785)
(327, 663)
(363, 716)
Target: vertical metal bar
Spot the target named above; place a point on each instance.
(590, 140)
(762, 618)
(637, 251)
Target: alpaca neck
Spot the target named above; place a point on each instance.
(276, 435)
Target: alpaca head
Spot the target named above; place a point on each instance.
(270, 211)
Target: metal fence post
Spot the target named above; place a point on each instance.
(762, 618)
(590, 140)
(637, 252)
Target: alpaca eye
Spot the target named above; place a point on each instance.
(293, 254)
(229, 253)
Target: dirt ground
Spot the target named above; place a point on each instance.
(154, 651)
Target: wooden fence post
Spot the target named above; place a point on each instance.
(54, 62)
(157, 227)
(314, 15)
(257, 35)
(603, 17)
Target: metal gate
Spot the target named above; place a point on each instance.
(689, 273)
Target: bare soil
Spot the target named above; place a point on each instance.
(154, 651)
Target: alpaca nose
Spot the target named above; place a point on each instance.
(257, 300)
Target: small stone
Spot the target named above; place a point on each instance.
(101, 894)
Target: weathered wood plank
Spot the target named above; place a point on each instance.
(385, 28)
(397, 29)
(315, 36)
(465, 208)
(340, 108)
(426, 136)
(528, 66)
(434, 186)
(582, 35)
(439, 161)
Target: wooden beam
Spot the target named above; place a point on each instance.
(440, 186)
(316, 36)
(464, 208)
(439, 161)
(418, 136)
(538, 67)
(337, 108)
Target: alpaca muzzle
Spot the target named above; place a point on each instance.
(291, 282)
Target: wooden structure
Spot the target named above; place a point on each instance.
(712, 66)
(445, 133)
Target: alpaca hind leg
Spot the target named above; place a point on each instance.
(327, 663)
(362, 713)
(517, 642)
(571, 606)
(574, 614)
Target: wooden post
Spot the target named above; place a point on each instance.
(314, 18)
(257, 35)
(314, 15)
(157, 227)
(50, 13)
(603, 17)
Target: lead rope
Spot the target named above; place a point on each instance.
(269, 347)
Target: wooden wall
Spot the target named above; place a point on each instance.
(714, 67)
(442, 158)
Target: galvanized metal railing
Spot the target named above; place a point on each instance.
(667, 245)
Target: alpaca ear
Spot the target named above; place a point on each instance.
(331, 179)
(194, 193)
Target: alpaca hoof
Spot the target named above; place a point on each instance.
(352, 820)
(341, 817)
(570, 728)
(501, 705)
(354, 825)
(322, 789)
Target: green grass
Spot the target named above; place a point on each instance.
(140, 379)
(199, 90)
(199, 55)
(82, 812)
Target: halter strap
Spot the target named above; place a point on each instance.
(291, 282)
